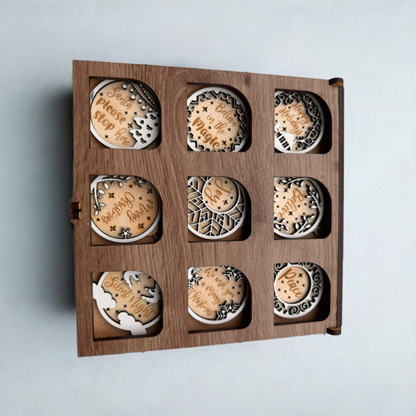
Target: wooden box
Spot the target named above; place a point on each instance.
(168, 166)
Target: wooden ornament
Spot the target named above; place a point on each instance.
(217, 120)
(216, 206)
(299, 122)
(124, 209)
(124, 114)
(298, 288)
(298, 206)
(131, 300)
(216, 294)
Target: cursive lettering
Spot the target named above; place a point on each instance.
(142, 209)
(118, 207)
(289, 275)
(216, 196)
(221, 108)
(207, 137)
(124, 101)
(291, 203)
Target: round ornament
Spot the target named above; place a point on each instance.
(123, 208)
(299, 122)
(124, 114)
(298, 206)
(216, 294)
(217, 121)
(298, 288)
(129, 300)
(216, 206)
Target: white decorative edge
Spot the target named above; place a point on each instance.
(241, 193)
(321, 210)
(320, 134)
(229, 316)
(137, 145)
(117, 325)
(217, 90)
(309, 302)
(125, 240)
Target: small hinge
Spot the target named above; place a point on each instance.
(334, 331)
(336, 82)
(74, 211)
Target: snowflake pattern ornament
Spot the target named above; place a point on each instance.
(131, 300)
(298, 288)
(298, 206)
(216, 206)
(299, 122)
(123, 208)
(124, 114)
(217, 121)
(216, 294)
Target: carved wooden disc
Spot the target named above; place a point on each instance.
(217, 120)
(124, 114)
(123, 208)
(216, 206)
(299, 122)
(129, 300)
(216, 294)
(298, 206)
(298, 288)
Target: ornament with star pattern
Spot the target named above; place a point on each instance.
(298, 206)
(216, 206)
(124, 114)
(216, 294)
(298, 288)
(217, 120)
(299, 122)
(123, 208)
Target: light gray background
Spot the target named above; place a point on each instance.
(370, 369)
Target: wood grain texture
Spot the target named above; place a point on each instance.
(168, 167)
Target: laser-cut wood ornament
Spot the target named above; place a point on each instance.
(216, 206)
(131, 300)
(299, 122)
(124, 114)
(298, 288)
(217, 120)
(216, 294)
(124, 209)
(298, 206)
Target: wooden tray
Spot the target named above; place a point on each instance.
(168, 167)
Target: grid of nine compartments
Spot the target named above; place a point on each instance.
(168, 168)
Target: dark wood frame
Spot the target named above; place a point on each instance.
(168, 168)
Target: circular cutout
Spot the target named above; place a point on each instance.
(298, 288)
(130, 300)
(216, 294)
(124, 114)
(123, 208)
(299, 122)
(298, 206)
(216, 206)
(217, 120)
